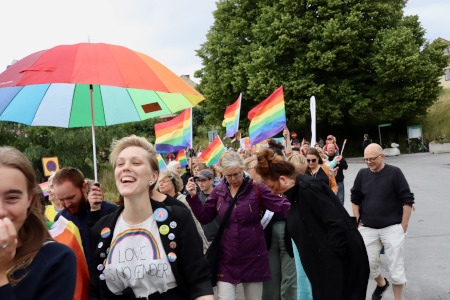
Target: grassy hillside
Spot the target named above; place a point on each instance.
(436, 125)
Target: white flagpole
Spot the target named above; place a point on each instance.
(312, 105)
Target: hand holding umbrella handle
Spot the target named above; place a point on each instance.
(95, 197)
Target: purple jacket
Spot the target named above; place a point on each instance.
(243, 251)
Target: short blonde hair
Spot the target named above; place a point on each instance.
(118, 146)
(299, 161)
(249, 160)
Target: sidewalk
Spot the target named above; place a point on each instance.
(428, 238)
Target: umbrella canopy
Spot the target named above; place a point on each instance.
(52, 87)
(90, 85)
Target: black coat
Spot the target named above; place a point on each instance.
(331, 248)
(191, 269)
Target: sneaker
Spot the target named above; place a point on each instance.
(379, 291)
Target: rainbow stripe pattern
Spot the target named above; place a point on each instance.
(176, 134)
(141, 232)
(161, 163)
(212, 153)
(267, 118)
(181, 158)
(44, 187)
(231, 117)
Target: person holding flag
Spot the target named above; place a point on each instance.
(267, 118)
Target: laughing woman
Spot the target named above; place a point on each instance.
(32, 265)
(146, 249)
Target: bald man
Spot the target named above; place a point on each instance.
(382, 203)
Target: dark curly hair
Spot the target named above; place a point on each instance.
(276, 147)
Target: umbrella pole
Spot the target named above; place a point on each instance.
(93, 134)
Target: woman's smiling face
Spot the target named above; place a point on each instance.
(166, 186)
(133, 172)
(14, 196)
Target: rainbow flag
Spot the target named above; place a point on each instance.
(161, 163)
(235, 138)
(181, 158)
(176, 134)
(231, 117)
(267, 118)
(212, 153)
(67, 233)
(44, 187)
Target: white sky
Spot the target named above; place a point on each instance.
(167, 30)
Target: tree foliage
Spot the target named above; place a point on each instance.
(363, 60)
(73, 146)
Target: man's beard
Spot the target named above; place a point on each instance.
(75, 209)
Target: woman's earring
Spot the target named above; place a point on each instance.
(150, 183)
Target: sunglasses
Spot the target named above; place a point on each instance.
(311, 160)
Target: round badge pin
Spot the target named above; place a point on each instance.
(102, 277)
(173, 224)
(160, 214)
(105, 232)
(100, 267)
(164, 229)
(102, 255)
(173, 245)
(100, 245)
(172, 256)
(171, 236)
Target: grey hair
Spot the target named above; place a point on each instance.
(171, 166)
(231, 160)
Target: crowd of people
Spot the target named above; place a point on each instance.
(276, 215)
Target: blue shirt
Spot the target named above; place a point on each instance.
(85, 220)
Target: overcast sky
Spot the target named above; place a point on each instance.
(167, 30)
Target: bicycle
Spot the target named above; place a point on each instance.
(418, 146)
(422, 147)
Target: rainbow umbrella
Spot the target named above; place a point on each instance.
(90, 85)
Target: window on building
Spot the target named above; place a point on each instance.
(447, 74)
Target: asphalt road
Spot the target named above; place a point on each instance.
(428, 238)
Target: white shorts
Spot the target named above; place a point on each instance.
(393, 240)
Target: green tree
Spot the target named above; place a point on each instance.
(363, 60)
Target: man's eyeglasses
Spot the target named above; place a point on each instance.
(371, 159)
(201, 180)
(311, 160)
(235, 175)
